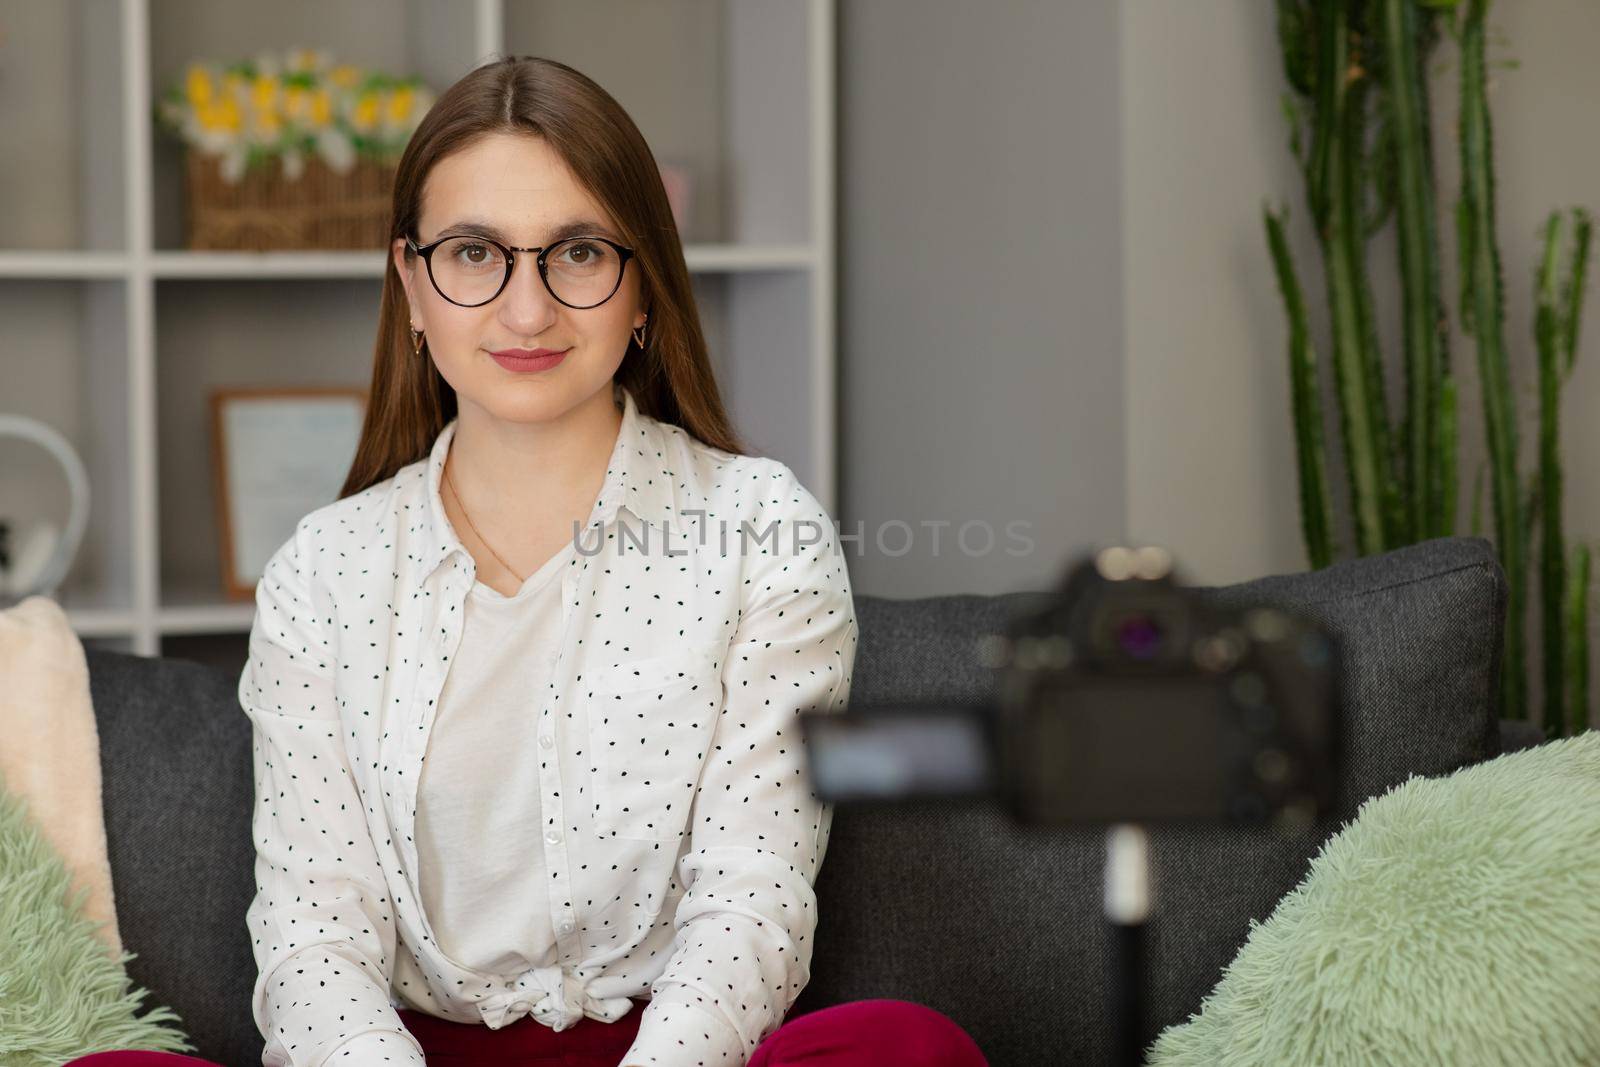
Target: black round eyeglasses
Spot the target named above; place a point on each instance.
(580, 272)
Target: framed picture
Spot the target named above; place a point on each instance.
(279, 454)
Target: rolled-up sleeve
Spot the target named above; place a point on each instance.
(745, 925)
(321, 923)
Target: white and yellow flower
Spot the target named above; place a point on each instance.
(291, 105)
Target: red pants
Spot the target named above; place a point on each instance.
(860, 1033)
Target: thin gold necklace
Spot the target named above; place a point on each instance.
(473, 527)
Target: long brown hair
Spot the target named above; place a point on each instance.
(409, 402)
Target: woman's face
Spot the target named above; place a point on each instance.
(519, 188)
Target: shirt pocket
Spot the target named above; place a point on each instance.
(650, 727)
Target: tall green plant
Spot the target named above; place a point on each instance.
(1565, 606)
(1406, 34)
(1483, 314)
(1359, 116)
(1338, 199)
(1315, 511)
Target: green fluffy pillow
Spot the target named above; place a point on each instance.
(62, 994)
(1453, 920)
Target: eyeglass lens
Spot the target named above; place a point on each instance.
(580, 272)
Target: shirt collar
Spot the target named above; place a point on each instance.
(636, 477)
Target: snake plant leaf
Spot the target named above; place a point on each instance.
(1444, 520)
(1296, 40)
(1382, 169)
(1552, 546)
(1291, 117)
(1575, 634)
(1572, 301)
(1532, 503)
(1477, 500)
(1315, 506)
(1469, 322)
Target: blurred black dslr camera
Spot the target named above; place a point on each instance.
(1124, 699)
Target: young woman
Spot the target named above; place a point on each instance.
(524, 699)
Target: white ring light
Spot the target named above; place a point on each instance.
(49, 580)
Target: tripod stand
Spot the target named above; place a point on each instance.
(1127, 907)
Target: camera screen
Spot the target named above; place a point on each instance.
(1137, 748)
(897, 755)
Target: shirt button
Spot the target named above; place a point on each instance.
(552, 836)
(566, 926)
(546, 741)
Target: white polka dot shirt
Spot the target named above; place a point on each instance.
(708, 603)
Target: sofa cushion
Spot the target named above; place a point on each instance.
(1447, 923)
(1000, 927)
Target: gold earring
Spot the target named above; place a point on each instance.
(638, 333)
(416, 341)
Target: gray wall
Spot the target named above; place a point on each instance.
(980, 317)
(1210, 443)
(1108, 360)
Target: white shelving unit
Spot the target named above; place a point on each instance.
(115, 334)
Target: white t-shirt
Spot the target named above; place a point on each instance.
(480, 858)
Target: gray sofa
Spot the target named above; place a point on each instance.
(944, 903)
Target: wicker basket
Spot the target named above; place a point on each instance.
(265, 211)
